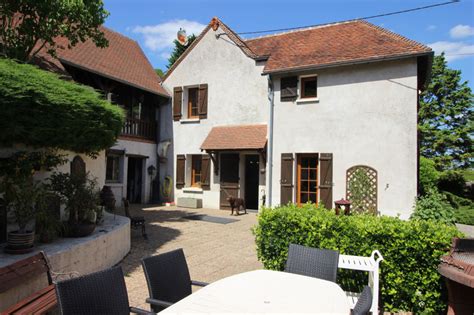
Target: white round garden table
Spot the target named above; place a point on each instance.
(265, 291)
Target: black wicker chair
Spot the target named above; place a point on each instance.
(312, 262)
(364, 303)
(102, 292)
(168, 279)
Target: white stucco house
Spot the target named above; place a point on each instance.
(289, 117)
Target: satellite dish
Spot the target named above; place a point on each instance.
(182, 38)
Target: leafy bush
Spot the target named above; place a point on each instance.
(429, 176)
(409, 278)
(41, 110)
(433, 206)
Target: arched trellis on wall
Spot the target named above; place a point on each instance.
(361, 188)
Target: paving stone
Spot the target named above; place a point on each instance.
(213, 251)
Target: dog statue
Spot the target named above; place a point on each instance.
(236, 203)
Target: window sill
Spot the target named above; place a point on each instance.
(307, 100)
(190, 120)
(195, 190)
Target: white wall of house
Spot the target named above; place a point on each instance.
(237, 95)
(365, 114)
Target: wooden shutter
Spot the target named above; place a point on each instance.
(288, 89)
(180, 170)
(177, 102)
(286, 179)
(325, 179)
(206, 172)
(202, 101)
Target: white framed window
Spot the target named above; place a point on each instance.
(308, 88)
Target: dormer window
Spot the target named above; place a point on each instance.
(309, 87)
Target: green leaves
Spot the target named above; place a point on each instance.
(409, 277)
(433, 206)
(41, 110)
(446, 118)
(29, 25)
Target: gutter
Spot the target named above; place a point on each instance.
(347, 63)
(271, 95)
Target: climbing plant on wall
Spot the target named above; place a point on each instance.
(361, 188)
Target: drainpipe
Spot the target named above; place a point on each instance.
(270, 143)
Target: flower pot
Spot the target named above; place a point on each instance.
(20, 243)
(81, 229)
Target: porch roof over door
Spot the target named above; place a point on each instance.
(237, 137)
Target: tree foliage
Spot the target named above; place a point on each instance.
(179, 50)
(41, 110)
(446, 118)
(159, 72)
(29, 25)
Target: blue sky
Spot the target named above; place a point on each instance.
(154, 23)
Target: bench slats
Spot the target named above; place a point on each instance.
(39, 302)
(16, 273)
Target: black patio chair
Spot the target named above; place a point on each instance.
(364, 303)
(136, 222)
(168, 279)
(102, 292)
(312, 262)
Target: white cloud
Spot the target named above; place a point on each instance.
(453, 50)
(431, 27)
(461, 31)
(159, 38)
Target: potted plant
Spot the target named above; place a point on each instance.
(22, 197)
(80, 196)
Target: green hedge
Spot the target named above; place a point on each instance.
(41, 110)
(409, 277)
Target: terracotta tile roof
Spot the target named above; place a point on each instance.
(332, 44)
(123, 61)
(241, 137)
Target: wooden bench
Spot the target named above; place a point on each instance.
(20, 272)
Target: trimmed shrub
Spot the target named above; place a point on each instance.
(429, 176)
(433, 206)
(41, 110)
(409, 277)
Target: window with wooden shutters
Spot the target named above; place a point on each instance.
(177, 103)
(180, 171)
(325, 179)
(206, 172)
(288, 88)
(202, 101)
(307, 178)
(286, 179)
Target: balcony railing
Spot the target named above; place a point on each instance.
(138, 128)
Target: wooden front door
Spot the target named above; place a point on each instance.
(307, 179)
(134, 179)
(229, 178)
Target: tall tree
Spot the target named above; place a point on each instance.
(26, 26)
(159, 72)
(446, 118)
(179, 50)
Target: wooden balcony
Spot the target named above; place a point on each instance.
(139, 129)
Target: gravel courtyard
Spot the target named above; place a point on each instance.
(213, 251)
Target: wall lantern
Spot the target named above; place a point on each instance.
(182, 38)
(151, 170)
(343, 203)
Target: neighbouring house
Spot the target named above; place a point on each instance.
(126, 78)
(296, 117)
